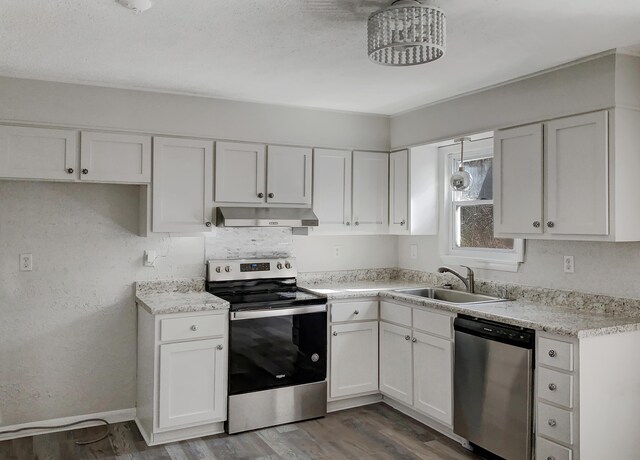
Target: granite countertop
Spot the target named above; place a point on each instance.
(177, 296)
(552, 319)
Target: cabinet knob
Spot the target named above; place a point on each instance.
(536, 224)
(551, 422)
(287, 266)
(218, 269)
(551, 458)
(357, 223)
(227, 269)
(356, 312)
(260, 195)
(270, 195)
(85, 171)
(70, 170)
(550, 224)
(407, 337)
(553, 353)
(194, 328)
(414, 340)
(279, 266)
(219, 347)
(402, 222)
(208, 224)
(552, 387)
(335, 333)
(347, 223)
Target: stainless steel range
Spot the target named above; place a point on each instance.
(277, 343)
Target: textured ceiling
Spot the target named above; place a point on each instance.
(298, 52)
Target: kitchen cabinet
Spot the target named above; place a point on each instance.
(353, 355)
(255, 174)
(38, 153)
(568, 178)
(398, 191)
(370, 199)
(332, 190)
(181, 375)
(416, 367)
(182, 185)
(115, 158)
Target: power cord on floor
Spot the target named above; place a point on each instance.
(79, 443)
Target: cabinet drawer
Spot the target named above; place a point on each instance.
(433, 323)
(555, 387)
(547, 450)
(354, 311)
(555, 353)
(555, 423)
(395, 313)
(192, 327)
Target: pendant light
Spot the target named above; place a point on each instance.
(461, 179)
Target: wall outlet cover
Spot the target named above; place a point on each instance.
(569, 266)
(26, 262)
(414, 251)
(337, 252)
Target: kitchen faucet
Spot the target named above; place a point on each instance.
(469, 281)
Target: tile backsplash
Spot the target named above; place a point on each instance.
(248, 243)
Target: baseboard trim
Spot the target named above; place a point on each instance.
(114, 416)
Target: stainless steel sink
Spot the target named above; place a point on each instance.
(449, 296)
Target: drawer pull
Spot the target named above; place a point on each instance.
(553, 353)
(551, 458)
(194, 328)
(407, 337)
(335, 333)
(356, 312)
(553, 387)
(219, 347)
(551, 422)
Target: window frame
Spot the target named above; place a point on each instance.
(492, 259)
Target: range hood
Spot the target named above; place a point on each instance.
(233, 216)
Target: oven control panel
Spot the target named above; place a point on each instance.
(242, 269)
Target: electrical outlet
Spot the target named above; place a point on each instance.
(414, 251)
(337, 252)
(26, 262)
(569, 266)
(149, 259)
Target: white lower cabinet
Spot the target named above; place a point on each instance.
(396, 373)
(432, 377)
(181, 375)
(354, 359)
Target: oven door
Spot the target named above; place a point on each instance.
(277, 348)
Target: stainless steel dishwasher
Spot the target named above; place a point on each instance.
(493, 386)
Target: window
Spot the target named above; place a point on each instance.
(467, 236)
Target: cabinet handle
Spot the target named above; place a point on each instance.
(194, 328)
(260, 195)
(347, 223)
(85, 171)
(270, 195)
(402, 222)
(357, 223)
(407, 337)
(552, 387)
(551, 458)
(550, 224)
(356, 312)
(208, 224)
(553, 353)
(536, 224)
(335, 333)
(414, 340)
(219, 347)
(551, 422)
(70, 170)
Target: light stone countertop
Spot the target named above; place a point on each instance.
(552, 319)
(177, 296)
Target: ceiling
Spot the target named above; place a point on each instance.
(308, 53)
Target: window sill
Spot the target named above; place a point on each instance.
(488, 264)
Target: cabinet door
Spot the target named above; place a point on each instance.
(518, 181)
(370, 192)
(289, 175)
(396, 372)
(432, 370)
(182, 176)
(354, 359)
(193, 378)
(578, 175)
(106, 157)
(35, 153)
(240, 173)
(399, 192)
(332, 189)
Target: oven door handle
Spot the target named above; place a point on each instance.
(255, 314)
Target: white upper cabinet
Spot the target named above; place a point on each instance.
(399, 192)
(240, 173)
(518, 178)
(578, 175)
(106, 157)
(182, 185)
(370, 192)
(332, 190)
(289, 175)
(37, 153)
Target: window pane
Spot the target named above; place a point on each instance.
(475, 228)
(481, 180)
